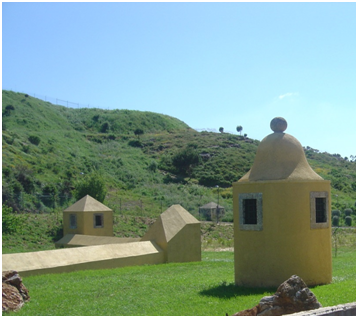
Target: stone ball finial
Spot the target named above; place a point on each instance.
(278, 124)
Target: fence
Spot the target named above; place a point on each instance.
(62, 102)
(67, 103)
(40, 203)
(50, 203)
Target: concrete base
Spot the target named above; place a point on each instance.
(83, 258)
(339, 310)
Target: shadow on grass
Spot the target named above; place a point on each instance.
(229, 290)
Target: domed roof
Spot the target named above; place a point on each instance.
(280, 156)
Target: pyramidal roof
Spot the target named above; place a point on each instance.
(174, 219)
(87, 204)
(211, 205)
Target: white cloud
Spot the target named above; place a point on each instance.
(287, 95)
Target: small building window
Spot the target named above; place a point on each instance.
(73, 221)
(321, 216)
(250, 211)
(98, 220)
(319, 210)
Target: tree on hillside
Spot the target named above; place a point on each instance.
(138, 132)
(221, 129)
(104, 128)
(239, 129)
(93, 184)
(185, 159)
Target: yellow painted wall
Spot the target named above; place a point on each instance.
(85, 225)
(182, 249)
(287, 245)
(177, 232)
(174, 237)
(83, 258)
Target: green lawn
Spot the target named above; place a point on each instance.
(203, 288)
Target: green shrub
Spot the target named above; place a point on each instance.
(11, 223)
(335, 220)
(93, 185)
(348, 212)
(348, 220)
(104, 128)
(336, 213)
(25, 176)
(185, 159)
(35, 140)
(8, 110)
(153, 166)
(138, 132)
(135, 143)
(26, 148)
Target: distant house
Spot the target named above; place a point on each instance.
(211, 211)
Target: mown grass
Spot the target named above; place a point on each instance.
(203, 288)
(343, 287)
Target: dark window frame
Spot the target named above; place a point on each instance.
(250, 212)
(96, 217)
(73, 221)
(319, 204)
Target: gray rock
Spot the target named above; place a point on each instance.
(291, 296)
(14, 292)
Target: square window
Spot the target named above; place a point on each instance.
(319, 210)
(250, 212)
(73, 221)
(98, 220)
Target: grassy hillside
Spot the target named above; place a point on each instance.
(148, 161)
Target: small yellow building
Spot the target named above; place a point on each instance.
(281, 216)
(174, 237)
(177, 232)
(88, 217)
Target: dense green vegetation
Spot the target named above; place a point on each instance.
(147, 161)
(203, 288)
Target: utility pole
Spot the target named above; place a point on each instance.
(217, 207)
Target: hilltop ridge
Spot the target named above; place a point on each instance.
(146, 159)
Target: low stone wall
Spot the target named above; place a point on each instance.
(339, 310)
(83, 258)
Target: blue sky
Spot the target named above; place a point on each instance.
(210, 65)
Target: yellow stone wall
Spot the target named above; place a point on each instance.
(174, 237)
(177, 232)
(83, 258)
(286, 245)
(182, 249)
(85, 225)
